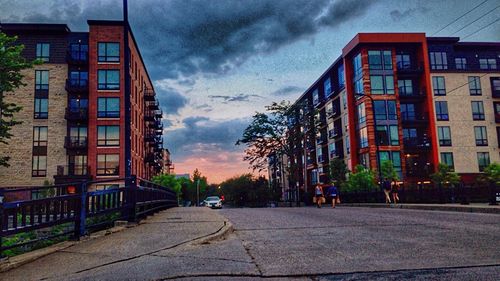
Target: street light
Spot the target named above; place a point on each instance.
(376, 136)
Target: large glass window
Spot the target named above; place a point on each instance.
(385, 110)
(361, 115)
(483, 160)
(341, 76)
(379, 59)
(442, 111)
(477, 110)
(78, 136)
(40, 135)
(394, 157)
(357, 65)
(408, 111)
(78, 78)
(387, 135)
(474, 85)
(108, 107)
(43, 51)
(481, 136)
(363, 137)
(41, 108)
(39, 166)
(405, 87)
(444, 136)
(79, 51)
(447, 158)
(108, 135)
(108, 79)
(488, 63)
(439, 86)
(403, 61)
(495, 86)
(315, 96)
(438, 60)
(358, 87)
(108, 164)
(78, 165)
(461, 63)
(41, 79)
(332, 149)
(108, 52)
(381, 84)
(328, 87)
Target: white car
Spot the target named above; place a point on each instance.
(213, 202)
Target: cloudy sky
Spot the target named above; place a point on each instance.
(215, 62)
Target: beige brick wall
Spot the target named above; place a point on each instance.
(20, 145)
(461, 124)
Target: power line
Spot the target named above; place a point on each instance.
(491, 23)
(481, 17)
(456, 88)
(466, 13)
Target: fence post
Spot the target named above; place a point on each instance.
(493, 193)
(131, 187)
(1, 220)
(81, 212)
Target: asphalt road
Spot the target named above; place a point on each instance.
(286, 244)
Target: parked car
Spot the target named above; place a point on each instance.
(213, 202)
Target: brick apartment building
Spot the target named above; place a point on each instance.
(89, 111)
(434, 99)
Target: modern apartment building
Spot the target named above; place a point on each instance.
(404, 97)
(89, 111)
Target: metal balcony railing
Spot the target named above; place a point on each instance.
(75, 142)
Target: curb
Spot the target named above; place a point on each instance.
(221, 234)
(463, 209)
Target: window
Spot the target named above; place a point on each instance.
(438, 60)
(357, 65)
(43, 51)
(382, 84)
(387, 135)
(447, 158)
(442, 111)
(41, 108)
(341, 77)
(495, 86)
(78, 78)
(403, 61)
(332, 149)
(444, 136)
(78, 165)
(393, 156)
(39, 166)
(78, 136)
(498, 136)
(363, 137)
(361, 115)
(108, 107)
(405, 87)
(107, 164)
(481, 136)
(344, 100)
(408, 111)
(108, 135)
(315, 96)
(41, 79)
(410, 137)
(474, 86)
(460, 64)
(328, 87)
(347, 145)
(477, 110)
(108, 52)
(358, 87)
(385, 110)
(483, 160)
(79, 51)
(496, 107)
(439, 85)
(108, 79)
(379, 59)
(40, 136)
(487, 63)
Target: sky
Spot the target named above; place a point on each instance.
(214, 63)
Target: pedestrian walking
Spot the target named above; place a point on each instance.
(333, 193)
(394, 191)
(386, 186)
(318, 195)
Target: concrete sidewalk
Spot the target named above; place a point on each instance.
(471, 208)
(164, 231)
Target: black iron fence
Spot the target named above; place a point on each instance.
(80, 211)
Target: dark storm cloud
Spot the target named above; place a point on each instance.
(398, 15)
(170, 100)
(186, 37)
(237, 98)
(204, 132)
(287, 90)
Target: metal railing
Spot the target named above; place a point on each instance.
(27, 209)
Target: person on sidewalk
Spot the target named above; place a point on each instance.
(394, 191)
(333, 193)
(318, 194)
(386, 186)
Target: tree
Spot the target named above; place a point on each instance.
(246, 190)
(388, 171)
(362, 179)
(11, 65)
(492, 173)
(445, 176)
(338, 171)
(169, 181)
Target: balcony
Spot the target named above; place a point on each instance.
(320, 140)
(76, 114)
(149, 116)
(413, 118)
(78, 86)
(75, 142)
(153, 105)
(149, 95)
(77, 57)
(414, 95)
(150, 158)
(417, 144)
(72, 173)
(334, 133)
(409, 68)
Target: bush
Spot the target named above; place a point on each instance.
(361, 180)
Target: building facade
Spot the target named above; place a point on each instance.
(89, 110)
(168, 166)
(404, 97)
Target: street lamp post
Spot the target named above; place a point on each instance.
(376, 137)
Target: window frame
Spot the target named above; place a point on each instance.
(40, 48)
(107, 57)
(108, 170)
(39, 139)
(39, 85)
(108, 85)
(441, 136)
(38, 108)
(487, 64)
(475, 85)
(443, 58)
(483, 135)
(460, 63)
(436, 86)
(446, 157)
(440, 107)
(487, 160)
(107, 140)
(479, 115)
(108, 113)
(40, 171)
